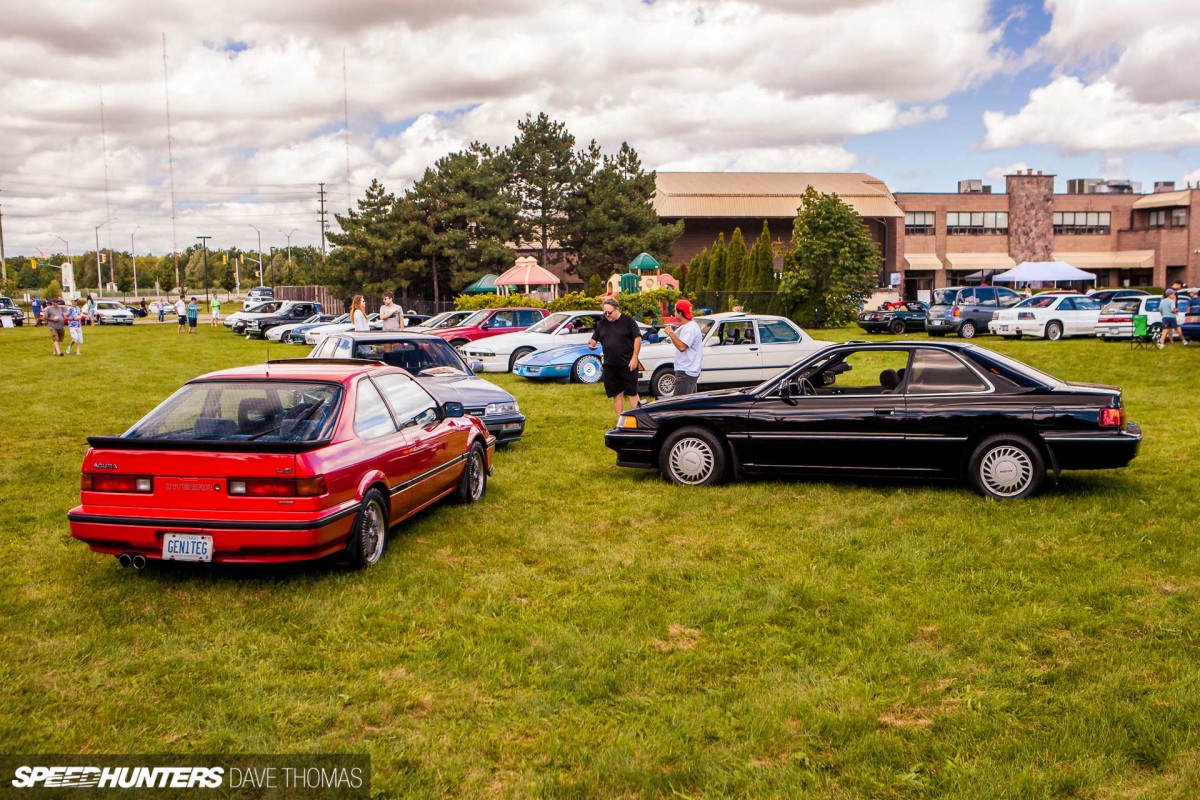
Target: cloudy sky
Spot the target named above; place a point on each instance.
(920, 93)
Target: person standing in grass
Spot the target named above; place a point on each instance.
(621, 339)
(181, 311)
(91, 310)
(75, 326)
(689, 342)
(56, 319)
(214, 311)
(358, 314)
(37, 313)
(1170, 320)
(193, 314)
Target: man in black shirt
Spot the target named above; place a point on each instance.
(621, 339)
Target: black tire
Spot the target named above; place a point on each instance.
(459, 342)
(1006, 467)
(587, 369)
(1054, 331)
(967, 330)
(663, 382)
(693, 456)
(473, 483)
(517, 355)
(368, 539)
(898, 327)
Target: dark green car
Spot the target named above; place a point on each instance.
(900, 319)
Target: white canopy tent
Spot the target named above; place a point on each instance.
(1043, 272)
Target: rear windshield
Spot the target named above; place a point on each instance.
(1126, 306)
(1038, 301)
(427, 356)
(241, 411)
(945, 297)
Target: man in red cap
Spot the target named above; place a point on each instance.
(689, 342)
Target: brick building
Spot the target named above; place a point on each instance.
(933, 240)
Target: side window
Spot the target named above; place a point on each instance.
(528, 317)
(966, 297)
(343, 348)
(865, 372)
(583, 324)
(1086, 304)
(741, 332)
(1008, 297)
(939, 372)
(1067, 304)
(325, 348)
(985, 297)
(412, 404)
(503, 319)
(371, 417)
(1153, 304)
(777, 331)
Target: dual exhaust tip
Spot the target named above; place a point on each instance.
(135, 560)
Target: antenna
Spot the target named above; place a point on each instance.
(346, 114)
(170, 161)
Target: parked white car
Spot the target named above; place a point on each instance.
(739, 350)
(264, 308)
(501, 353)
(257, 296)
(110, 312)
(277, 333)
(315, 335)
(1048, 316)
(1116, 318)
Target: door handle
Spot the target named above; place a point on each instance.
(884, 412)
(753, 348)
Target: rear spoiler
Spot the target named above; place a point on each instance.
(204, 445)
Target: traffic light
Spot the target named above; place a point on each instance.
(241, 259)
(225, 258)
(33, 263)
(103, 258)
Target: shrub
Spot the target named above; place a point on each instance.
(467, 302)
(575, 301)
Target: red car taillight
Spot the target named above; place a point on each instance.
(1112, 417)
(277, 487)
(116, 483)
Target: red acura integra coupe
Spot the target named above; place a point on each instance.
(287, 461)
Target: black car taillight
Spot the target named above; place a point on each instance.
(116, 483)
(1112, 417)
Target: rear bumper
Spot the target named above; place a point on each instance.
(1094, 450)
(298, 537)
(634, 448)
(941, 325)
(1008, 327)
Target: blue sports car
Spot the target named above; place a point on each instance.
(572, 362)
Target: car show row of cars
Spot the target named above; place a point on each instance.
(321, 456)
(969, 311)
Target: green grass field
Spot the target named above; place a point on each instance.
(591, 631)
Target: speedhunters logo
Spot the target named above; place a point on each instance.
(257, 776)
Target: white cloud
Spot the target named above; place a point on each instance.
(256, 95)
(996, 174)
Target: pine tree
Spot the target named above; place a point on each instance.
(718, 260)
(763, 268)
(371, 246)
(697, 276)
(546, 175)
(736, 262)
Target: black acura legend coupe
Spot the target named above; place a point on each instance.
(942, 410)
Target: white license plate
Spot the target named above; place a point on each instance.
(1004, 328)
(187, 547)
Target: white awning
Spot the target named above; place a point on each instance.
(974, 261)
(1115, 259)
(923, 261)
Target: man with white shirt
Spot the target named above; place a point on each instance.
(181, 312)
(689, 342)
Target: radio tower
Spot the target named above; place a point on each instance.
(107, 203)
(346, 114)
(170, 162)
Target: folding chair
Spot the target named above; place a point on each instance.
(1144, 335)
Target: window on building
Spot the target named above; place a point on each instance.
(978, 223)
(918, 223)
(1156, 219)
(1179, 217)
(1082, 222)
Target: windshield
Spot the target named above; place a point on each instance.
(241, 411)
(475, 320)
(944, 297)
(548, 324)
(412, 355)
(1038, 301)
(448, 319)
(109, 305)
(266, 308)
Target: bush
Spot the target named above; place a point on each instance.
(467, 302)
(575, 301)
(637, 305)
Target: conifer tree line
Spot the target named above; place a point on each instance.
(735, 270)
(462, 218)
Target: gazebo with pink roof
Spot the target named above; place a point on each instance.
(528, 273)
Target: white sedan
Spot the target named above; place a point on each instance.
(265, 308)
(1116, 318)
(739, 350)
(1048, 316)
(501, 353)
(110, 312)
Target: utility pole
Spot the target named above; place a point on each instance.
(3, 263)
(133, 258)
(289, 245)
(204, 247)
(322, 195)
(99, 269)
(261, 269)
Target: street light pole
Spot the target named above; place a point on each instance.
(68, 245)
(260, 261)
(133, 257)
(204, 247)
(99, 271)
(289, 244)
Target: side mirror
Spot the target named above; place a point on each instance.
(828, 378)
(485, 326)
(476, 366)
(451, 409)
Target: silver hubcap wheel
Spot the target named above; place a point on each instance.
(691, 460)
(589, 370)
(1006, 470)
(1055, 333)
(372, 535)
(475, 475)
(665, 385)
